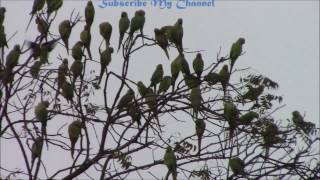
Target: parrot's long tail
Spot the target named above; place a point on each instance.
(89, 52)
(120, 41)
(72, 149)
(199, 145)
(167, 54)
(174, 175)
(66, 43)
(32, 15)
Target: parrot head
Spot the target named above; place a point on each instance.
(111, 50)
(46, 103)
(124, 14)
(66, 22)
(140, 13)
(169, 149)
(86, 27)
(65, 61)
(79, 124)
(199, 56)
(180, 21)
(157, 31)
(2, 9)
(89, 3)
(241, 40)
(225, 68)
(296, 114)
(16, 47)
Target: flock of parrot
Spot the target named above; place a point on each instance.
(159, 83)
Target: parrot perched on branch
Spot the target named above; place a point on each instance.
(53, 6)
(65, 32)
(236, 50)
(156, 76)
(105, 59)
(162, 40)
(200, 128)
(41, 114)
(126, 99)
(76, 69)
(62, 73)
(67, 91)
(105, 30)
(195, 99)
(300, 124)
(175, 35)
(143, 90)
(3, 38)
(237, 166)
(270, 136)
(171, 162)
(165, 84)
(42, 26)
(231, 114)
(212, 78)
(36, 149)
(124, 24)
(12, 58)
(184, 66)
(134, 113)
(35, 68)
(76, 51)
(37, 6)
(2, 14)
(224, 77)
(137, 23)
(198, 65)
(175, 69)
(74, 131)
(89, 13)
(85, 37)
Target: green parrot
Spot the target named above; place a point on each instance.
(7, 76)
(191, 81)
(134, 112)
(76, 51)
(137, 23)
(270, 136)
(124, 24)
(195, 99)
(224, 77)
(200, 128)
(175, 69)
(126, 99)
(37, 6)
(53, 6)
(231, 114)
(165, 84)
(76, 69)
(85, 37)
(171, 162)
(45, 49)
(236, 51)
(151, 99)
(105, 29)
(2, 14)
(184, 66)
(105, 59)
(156, 76)
(12, 58)
(62, 73)
(300, 124)
(35, 68)
(65, 32)
(162, 40)
(237, 166)
(247, 118)
(253, 93)
(42, 26)
(142, 89)
(67, 91)
(74, 131)
(35, 49)
(211, 78)
(198, 65)
(89, 13)
(3, 37)
(36, 149)
(175, 35)
(41, 114)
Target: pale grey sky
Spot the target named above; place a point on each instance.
(282, 42)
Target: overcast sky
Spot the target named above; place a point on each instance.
(282, 42)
